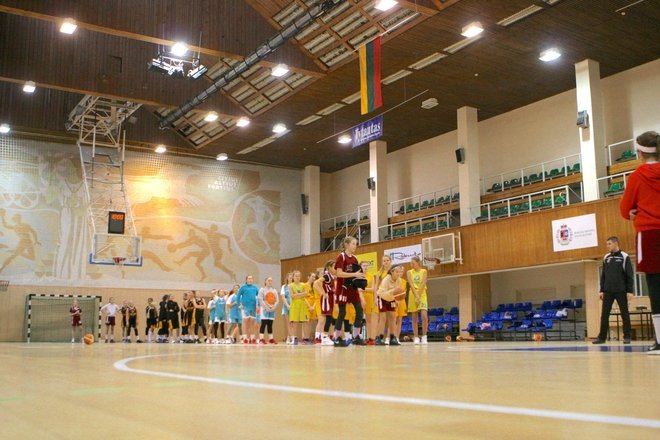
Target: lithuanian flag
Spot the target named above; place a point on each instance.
(370, 92)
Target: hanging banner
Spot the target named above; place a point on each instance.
(367, 131)
(404, 254)
(574, 233)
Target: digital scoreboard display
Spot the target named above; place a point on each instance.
(116, 221)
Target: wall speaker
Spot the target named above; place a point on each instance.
(371, 183)
(582, 119)
(304, 203)
(460, 155)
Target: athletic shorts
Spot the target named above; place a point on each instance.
(423, 303)
(76, 321)
(249, 311)
(235, 320)
(347, 295)
(386, 306)
(327, 305)
(401, 309)
(370, 307)
(312, 315)
(174, 324)
(110, 320)
(299, 311)
(648, 251)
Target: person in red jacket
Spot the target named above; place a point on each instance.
(641, 205)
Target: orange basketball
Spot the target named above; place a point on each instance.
(448, 338)
(270, 298)
(399, 293)
(538, 337)
(88, 339)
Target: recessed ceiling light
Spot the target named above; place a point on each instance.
(280, 70)
(222, 156)
(472, 29)
(344, 139)
(279, 128)
(243, 122)
(550, 55)
(384, 5)
(29, 87)
(160, 149)
(211, 117)
(68, 26)
(4, 128)
(179, 49)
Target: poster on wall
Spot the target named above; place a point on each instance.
(372, 259)
(404, 254)
(574, 233)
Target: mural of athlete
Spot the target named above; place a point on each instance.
(146, 234)
(199, 256)
(214, 238)
(263, 217)
(27, 239)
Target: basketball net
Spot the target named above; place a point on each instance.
(119, 261)
(430, 263)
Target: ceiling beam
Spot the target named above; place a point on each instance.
(145, 38)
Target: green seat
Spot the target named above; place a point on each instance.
(515, 182)
(524, 207)
(496, 187)
(536, 204)
(442, 224)
(410, 207)
(365, 217)
(560, 200)
(576, 168)
(547, 202)
(425, 204)
(416, 207)
(615, 188)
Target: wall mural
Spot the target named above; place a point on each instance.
(203, 224)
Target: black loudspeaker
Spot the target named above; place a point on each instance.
(371, 183)
(304, 203)
(460, 155)
(582, 120)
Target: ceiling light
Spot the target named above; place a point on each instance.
(211, 117)
(68, 26)
(4, 128)
(344, 139)
(243, 122)
(160, 149)
(280, 70)
(279, 128)
(179, 49)
(29, 87)
(222, 156)
(472, 29)
(550, 55)
(198, 71)
(384, 5)
(429, 103)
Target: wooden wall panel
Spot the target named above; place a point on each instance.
(516, 242)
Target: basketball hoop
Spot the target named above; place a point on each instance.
(119, 261)
(430, 262)
(4, 285)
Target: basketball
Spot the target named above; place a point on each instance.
(88, 339)
(538, 337)
(448, 338)
(270, 298)
(399, 293)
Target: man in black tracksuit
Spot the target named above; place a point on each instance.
(616, 283)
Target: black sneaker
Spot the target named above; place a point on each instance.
(340, 343)
(359, 341)
(598, 341)
(394, 341)
(380, 341)
(626, 341)
(139, 341)
(654, 350)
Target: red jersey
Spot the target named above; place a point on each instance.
(344, 293)
(76, 318)
(327, 302)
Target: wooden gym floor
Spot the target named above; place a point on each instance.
(440, 391)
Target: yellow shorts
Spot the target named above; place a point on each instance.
(298, 311)
(370, 306)
(423, 303)
(350, 313)
(401, 309)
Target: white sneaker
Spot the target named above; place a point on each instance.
(416, 340)
(73, 341)
(387, 341)
(327, 341)
(425, 340)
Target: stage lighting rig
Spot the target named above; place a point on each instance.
(177, 66)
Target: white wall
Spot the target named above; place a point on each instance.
(537, 285)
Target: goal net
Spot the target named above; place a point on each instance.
(48, 317)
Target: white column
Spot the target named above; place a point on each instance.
(378, 196)
(592, 138)
(311, 222)
(468, 172)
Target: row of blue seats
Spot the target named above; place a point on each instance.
(529, 314)
(549, 304)
(518, 326)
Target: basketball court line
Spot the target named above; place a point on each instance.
(122, 365)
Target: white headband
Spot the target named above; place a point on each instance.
(643, 149)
